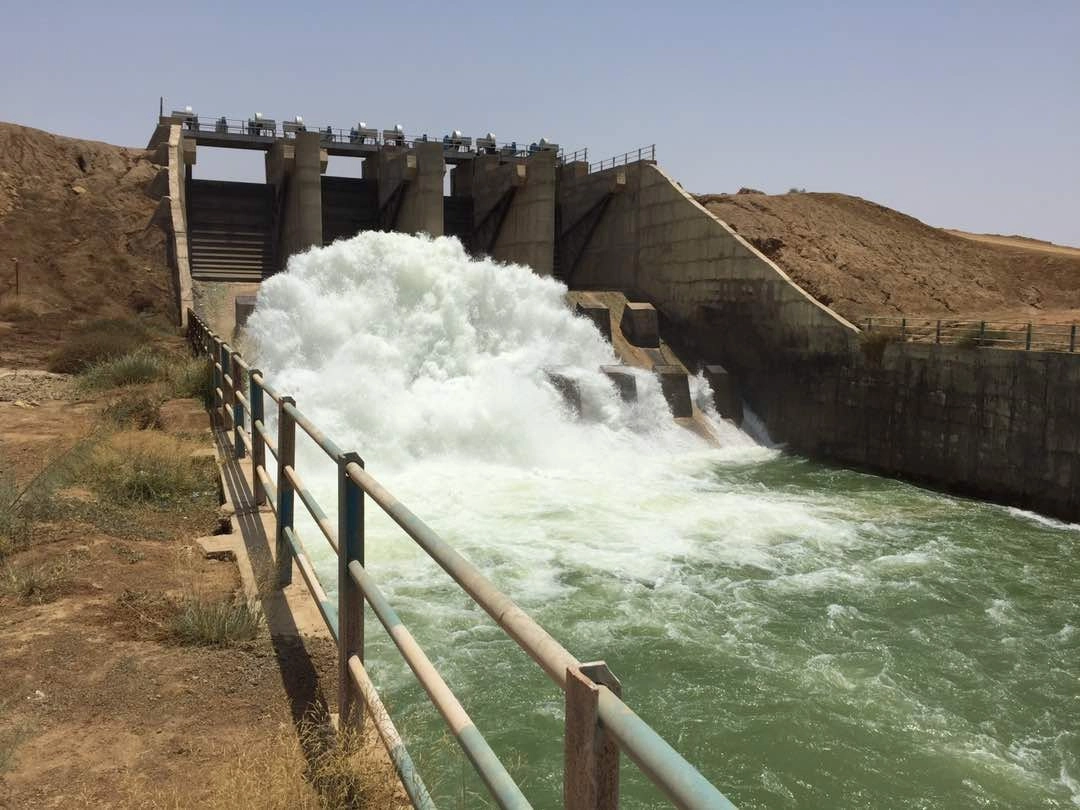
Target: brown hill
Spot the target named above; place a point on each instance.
(77, 216)
(863, 259)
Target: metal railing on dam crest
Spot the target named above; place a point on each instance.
(598, 725)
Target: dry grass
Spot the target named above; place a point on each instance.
(138, 410)
(310, 768)
(16, 310)
(98, 341)
(134, 368)
(193, 377)
(145, 467)
(215, 622)
(37, 584)
(873, 345)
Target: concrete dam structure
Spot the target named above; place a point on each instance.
(992, 423)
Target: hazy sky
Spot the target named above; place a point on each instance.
(966, 116)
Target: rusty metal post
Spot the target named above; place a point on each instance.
(350, 598)
(286, 458)
(258, 444)
(590, 755)
(1072, 338)
(1027, 344)
(239, 449)
(937, 333)
(903, 329)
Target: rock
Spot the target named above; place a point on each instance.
(78, 189)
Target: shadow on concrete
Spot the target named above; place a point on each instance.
(299, 675)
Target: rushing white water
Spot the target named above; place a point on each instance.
(802, 634)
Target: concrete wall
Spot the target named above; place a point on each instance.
(990, 423)
(177, 161)
(527, 232)
(656, 241)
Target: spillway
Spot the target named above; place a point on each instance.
(806, 636)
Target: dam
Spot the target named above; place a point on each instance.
(805, 635)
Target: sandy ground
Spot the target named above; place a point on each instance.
(864, 259)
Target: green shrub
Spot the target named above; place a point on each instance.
(98, 341)
(215, 622)
(135, 368)
(148, 468)
(135, 410)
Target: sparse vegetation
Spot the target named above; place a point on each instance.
(976, 338)
(215, 622)
(133, 467)
(194, 377)
(135, 368)
(98, 341)
(37, 584)
(873, 345)
(16, 310)
(137, 410)
(310, 767)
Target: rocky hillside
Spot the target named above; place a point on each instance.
(77, 216)
(863, 259)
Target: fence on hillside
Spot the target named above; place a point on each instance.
(598, 724)
(1044, 337)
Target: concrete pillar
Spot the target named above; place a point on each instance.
(676, 388)
(639, 325)
(416, 206)
(525, 230)
(725, 393)
(567, 388)
(309, 163)
(624, 380)
(294, 166)
(599, 315)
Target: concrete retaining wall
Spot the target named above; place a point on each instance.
(990, 423)
(177, 169)
(656, 241)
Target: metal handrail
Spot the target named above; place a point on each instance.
(1003, 334)
(633, 156)
(665, 767)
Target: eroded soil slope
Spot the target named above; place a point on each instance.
(863, 259)
(77, 216)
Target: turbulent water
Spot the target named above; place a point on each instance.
(807, 637)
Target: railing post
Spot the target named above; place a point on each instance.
(982, 334)
(937, 332)
(1027, 345)
(219, 376)
(1072, 338)
(286, 458)
(239, 449)
(590, 755)
(258, 444)
(903, 329)
(869, 324)
(350, 599)
(226, 389)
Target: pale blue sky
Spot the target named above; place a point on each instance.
(965, 115)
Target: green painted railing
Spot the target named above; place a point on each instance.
(598, 724)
